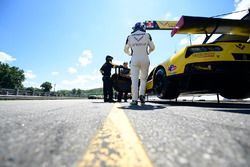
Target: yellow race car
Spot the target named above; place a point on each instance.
(222, 66)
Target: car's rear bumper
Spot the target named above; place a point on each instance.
(225, 67)
(214, 76)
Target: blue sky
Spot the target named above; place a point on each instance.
(65, 42)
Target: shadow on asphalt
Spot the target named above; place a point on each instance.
(142, 107)
(137, 107)
(107, 102)
(241, 108)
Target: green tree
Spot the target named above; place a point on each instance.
(62, 92)
(73, 92)
(46, 86)
(31, 89)
(78, 92)
(11, 77)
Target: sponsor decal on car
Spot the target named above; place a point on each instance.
(172, 67)
(240, 46)
(204, 55)
(150, 24)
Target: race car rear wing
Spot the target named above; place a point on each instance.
(210, 26)
(230, 29)
(160, 25)
(235, 38)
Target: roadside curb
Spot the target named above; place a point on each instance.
(11, 97)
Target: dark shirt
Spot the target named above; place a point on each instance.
(125, 71)
(106, 69)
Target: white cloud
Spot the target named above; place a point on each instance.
(31, 84)
(184, 41)
(117, 62)
(198, 39)
(170, 17)
(4, 57)
(176, 18)
(54, 73)
(240, 5)
(84, 81)
(167, 15)
(29, 74)
(85, 58)
(195, 39)
(72, 70)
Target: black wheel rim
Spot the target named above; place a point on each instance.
(159, 82)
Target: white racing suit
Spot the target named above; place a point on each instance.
(139, 44)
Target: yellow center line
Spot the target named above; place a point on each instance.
(116, 144)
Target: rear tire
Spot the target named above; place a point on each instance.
(164, 88)
(160, 83)
(236, 88)
(235, 94)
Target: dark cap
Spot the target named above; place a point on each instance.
(109, 58)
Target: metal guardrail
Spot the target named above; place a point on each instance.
(38, 94)
(24, 92)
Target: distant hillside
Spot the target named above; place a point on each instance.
(79, 92)
(96, 91)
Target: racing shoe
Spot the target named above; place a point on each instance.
(133, 103)
(142, 99)
(111, 101)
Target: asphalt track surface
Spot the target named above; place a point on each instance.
(93, 133)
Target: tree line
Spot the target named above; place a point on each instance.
(12, 78)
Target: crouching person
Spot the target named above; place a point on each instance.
(124, 72)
